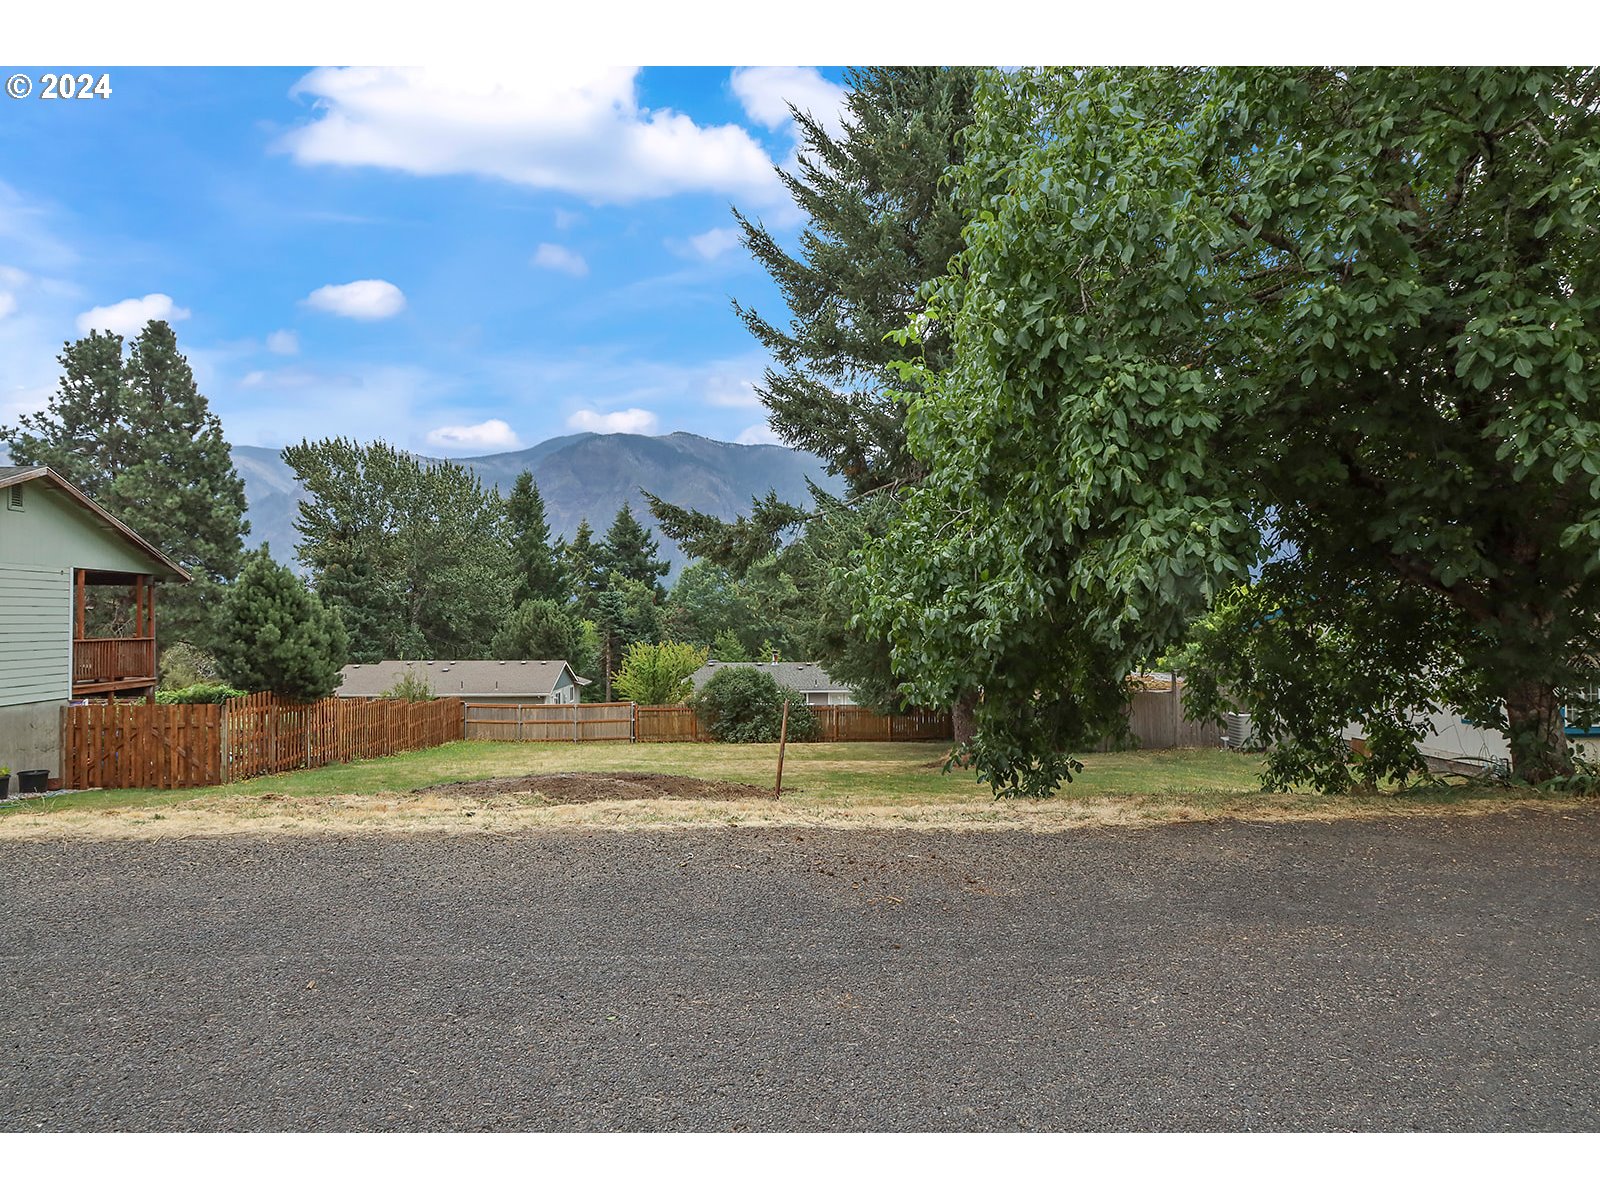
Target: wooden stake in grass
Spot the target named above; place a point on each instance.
(783, 740)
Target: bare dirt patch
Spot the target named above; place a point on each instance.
(591, 787)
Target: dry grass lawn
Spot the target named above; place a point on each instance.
(848, 785)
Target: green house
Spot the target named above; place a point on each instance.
(77, 611)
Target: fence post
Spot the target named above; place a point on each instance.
(633, 729)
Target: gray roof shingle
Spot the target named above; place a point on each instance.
(801, 676)
(464, 677)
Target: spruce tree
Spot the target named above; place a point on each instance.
(139, 438)
(581, 562)
(629, 549)
(538, 573)
(277, 636)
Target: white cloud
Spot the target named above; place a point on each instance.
(363, 300)
(714, 243)
(128, 317)
(8, 305)
(629, 420)
(767, 92)
(558, 258)
(759, 435)
(566, 219)
(487, 435)
(284, 341)
(571, 128)
(731, 391)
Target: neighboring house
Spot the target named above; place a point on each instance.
(807, 678)
(1456, 744)
(77, 611)
(487, 681)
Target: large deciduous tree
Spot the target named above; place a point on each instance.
(1334, 327)
(136, 435)
(414, 556)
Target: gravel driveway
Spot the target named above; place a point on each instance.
(1421, 974)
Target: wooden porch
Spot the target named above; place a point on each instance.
(123, 664)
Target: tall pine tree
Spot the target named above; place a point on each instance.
(137, 436)
(538, 572)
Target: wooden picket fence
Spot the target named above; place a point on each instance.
(141, 745)
(623, 722)
(264, 735)
(199, 745)
(549, 722)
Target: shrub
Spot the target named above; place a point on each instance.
(410, 686)
(658, 673)
(277, 637)
(182, 666)
(197, 693)
(743, 704)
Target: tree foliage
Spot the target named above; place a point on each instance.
(544, 629)
(630, 550)
(277, 636)
(744, 704)
(135, 434)
(537, 570)
(1338, 327)
(411, 686)
(415, 556)
(658, 673)
(881, 224)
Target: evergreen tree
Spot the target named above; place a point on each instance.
(544, 629)
(276, 636)
(881, 225)
(727, 647)
(138, 438)
(581, 565)
(623, 611)
(630, 550)
(538, 573)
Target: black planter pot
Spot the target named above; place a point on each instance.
(32, 781)
(5, 786)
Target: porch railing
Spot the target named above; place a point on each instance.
(107, 660)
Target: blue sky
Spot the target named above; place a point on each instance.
(456, 261)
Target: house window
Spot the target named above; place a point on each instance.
(14, 497)
(1583, 711)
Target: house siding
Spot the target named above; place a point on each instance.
(54, 531)
(35, 633)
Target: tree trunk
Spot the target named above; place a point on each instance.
(1537, 733)
(963, 718)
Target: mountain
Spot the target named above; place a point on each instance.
(582, 475)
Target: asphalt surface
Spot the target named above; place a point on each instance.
(1423, 974)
